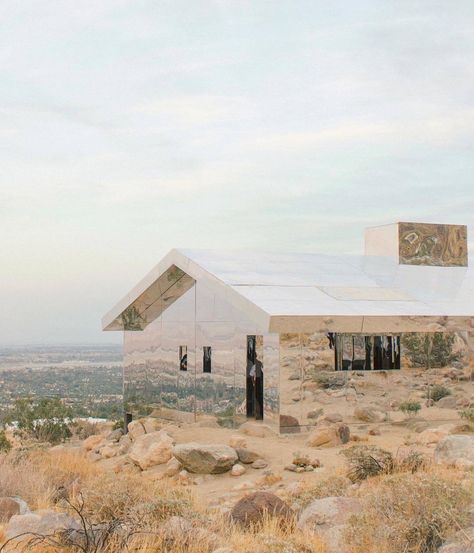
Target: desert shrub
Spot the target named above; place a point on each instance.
(413, 461)
(410, 408)
(430, 349)
(45, 420)
(438, 391)
(367, 461)
(84, 428)
(333, 486)
(468, 414)
(5, 444)
(414, 513)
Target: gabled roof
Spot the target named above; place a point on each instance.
(309, 292)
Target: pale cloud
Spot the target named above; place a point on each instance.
(129, 128)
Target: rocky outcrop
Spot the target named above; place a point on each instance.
(462, 542)
(135, 429)
(247, 456)
(205, 458)
(457, 450)
(289, 425)
(151, 449)
(328, 517)
(93, 442)
(329, 436)
(43, 522)
(11, 506)
(253, 508)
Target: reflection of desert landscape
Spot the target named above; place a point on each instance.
(310, 389)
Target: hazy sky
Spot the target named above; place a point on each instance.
(131, 127)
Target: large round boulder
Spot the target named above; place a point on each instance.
(328, 517)
(329, 436)
(205, 458)
(44, 522)
(253, 508)
(151, 449)
(455, 450)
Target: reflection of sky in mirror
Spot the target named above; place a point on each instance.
(128, 128)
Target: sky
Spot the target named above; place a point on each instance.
(128, 128)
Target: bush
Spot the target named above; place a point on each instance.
(5, 444)
(439, 391)
(430, 349)
(468, 414)
(367, 461)
(45, 420)
(410, 408)
(413, 513)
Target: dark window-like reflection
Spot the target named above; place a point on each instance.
(183, 358)
(206, 359)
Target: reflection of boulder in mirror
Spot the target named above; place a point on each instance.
(430, 244)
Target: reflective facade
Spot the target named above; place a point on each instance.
(213, 336)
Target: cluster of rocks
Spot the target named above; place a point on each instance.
(148, 445)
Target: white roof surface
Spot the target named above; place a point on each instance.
(277, 286)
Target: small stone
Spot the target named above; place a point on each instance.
(299, 469)
(246, 456)
(173, 466)
(259, 464)
(237, 470)
(291, 468)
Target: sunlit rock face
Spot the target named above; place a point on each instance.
(428, 244)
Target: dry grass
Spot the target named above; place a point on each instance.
(404, 511)
(413, 513)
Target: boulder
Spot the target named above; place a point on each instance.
(237, 470)
(173, 467)
(328, 517)
(115, 435)
(205, 458)
(237, 441)
(462, 542)
(369, 414)
(259, 464)
(431, 436)
(10, 506)
(447, 402)
(256, 429)
(253, 508)
(150, 424)
(93, 442)
(457, 449)
(330, 418)
(246, 456)
(151, 449)
(329, 436)
(44, 522)
(289, 425)
(135, 429)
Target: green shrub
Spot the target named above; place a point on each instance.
(367, 461)
(468, 414)
(438, 391)
(45, 420)
(410, 408)
(5, 444)
(430, 350)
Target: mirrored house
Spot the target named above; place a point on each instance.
(282, 338)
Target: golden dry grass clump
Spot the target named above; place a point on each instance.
(407, 511)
